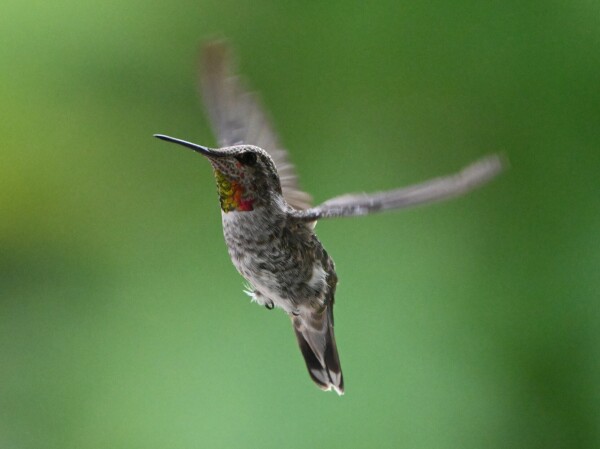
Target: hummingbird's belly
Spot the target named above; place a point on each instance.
(284, 285)
(283, 266)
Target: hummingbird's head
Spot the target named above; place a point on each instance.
(246, 175)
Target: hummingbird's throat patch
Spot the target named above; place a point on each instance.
(231, 195)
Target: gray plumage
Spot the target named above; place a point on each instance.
(268, 221)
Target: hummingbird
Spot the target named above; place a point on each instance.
(268, 221)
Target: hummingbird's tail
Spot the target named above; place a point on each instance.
(314, 333)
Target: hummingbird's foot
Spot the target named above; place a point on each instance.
(259, 298)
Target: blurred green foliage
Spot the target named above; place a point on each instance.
(468, 324)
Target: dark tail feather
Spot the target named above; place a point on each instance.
(317, 343)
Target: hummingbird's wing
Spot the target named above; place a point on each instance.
(237, 117)
(469, 178)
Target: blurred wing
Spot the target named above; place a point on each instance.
(238, 118)
(469, 178)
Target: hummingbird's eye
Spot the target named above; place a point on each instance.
(248, 158)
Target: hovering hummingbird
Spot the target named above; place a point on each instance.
(268, 222)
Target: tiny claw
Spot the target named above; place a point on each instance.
(269, 305)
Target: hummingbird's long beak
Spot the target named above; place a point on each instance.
(198, 148)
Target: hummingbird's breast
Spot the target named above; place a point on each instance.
(282, 259)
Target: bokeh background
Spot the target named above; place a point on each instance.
(468, 324)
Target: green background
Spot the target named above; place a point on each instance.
(468, 324)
